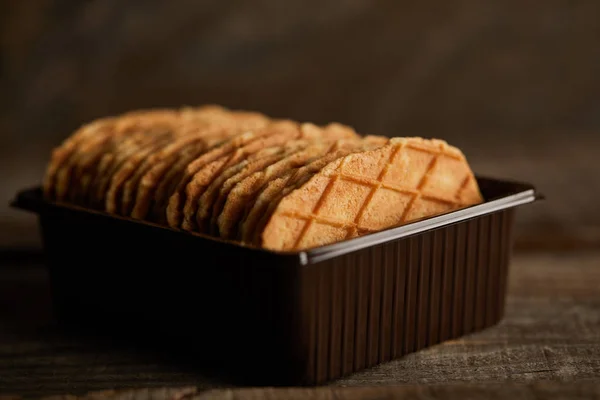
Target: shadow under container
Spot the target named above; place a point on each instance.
(272, 318)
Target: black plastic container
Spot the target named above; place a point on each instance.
(289, 318)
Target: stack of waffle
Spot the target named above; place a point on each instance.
(271, 183)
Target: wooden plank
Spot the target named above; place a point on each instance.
(533, 391)
(539, 391)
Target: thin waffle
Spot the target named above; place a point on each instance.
(63, 153)
(161, 133)
(71, 147)
(254, 161)
(95, 182)
(92, 182)
(113, 161)
(182, 126)
(301, 176)
(223, 117)
(124, 170)
(233, 197)
(275, 135)
(65, 173)
(74, 149)
(408, 179)
(174, 209)
(145, 177)
(255, 210)
(86, 152)
(279, 184)
(89, 152)
(337, 130)
(138, 190)
(210, 112)
(141, 189)
(169, 182)
(223, 183)
(198, 173)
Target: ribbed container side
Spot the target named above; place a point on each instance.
(384, 301)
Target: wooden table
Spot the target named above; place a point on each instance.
(550, 336)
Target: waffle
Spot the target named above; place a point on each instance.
(127, 167)
(62, 154)
(408, 179)
(271, 183)
(177, 198)
(74, 147)
(255, 162)
(275, 134)
(74, 165)
(91, 151)
(140, 188)
(233, 197)
(59, 180)
(157, 185)
(125, 158)
(114, 194)
(256, 210)
(96, 181)
(169, 183)
(76, 154)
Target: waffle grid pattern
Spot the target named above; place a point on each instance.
(353, 229)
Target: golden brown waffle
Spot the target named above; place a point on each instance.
(60, 178)
(79, 142)
(301, 176)
(109, 193)
(91, 151)
(205, 121)
(363, 192)
(217, 116)
(335, 130)
(224, 181)
(95, 182)
(134, 141)
(125, 169)
(62, 154)
(272, 135)
(177, 196)
(211, 131)
(141, 144)
(256, 210)
(235, 195)
(162, 180)
(276, 184)
(275, 135)
(74, 164)
(169, 183)
(75, 149)
(254, 161)
(139, 188)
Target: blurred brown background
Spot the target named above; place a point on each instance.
(516, 84)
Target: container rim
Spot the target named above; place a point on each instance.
(509, 194)
(521, 193)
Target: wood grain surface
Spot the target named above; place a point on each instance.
(551, 333)
(514, 84)
(534, 391)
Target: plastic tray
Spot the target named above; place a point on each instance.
(284, 318)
